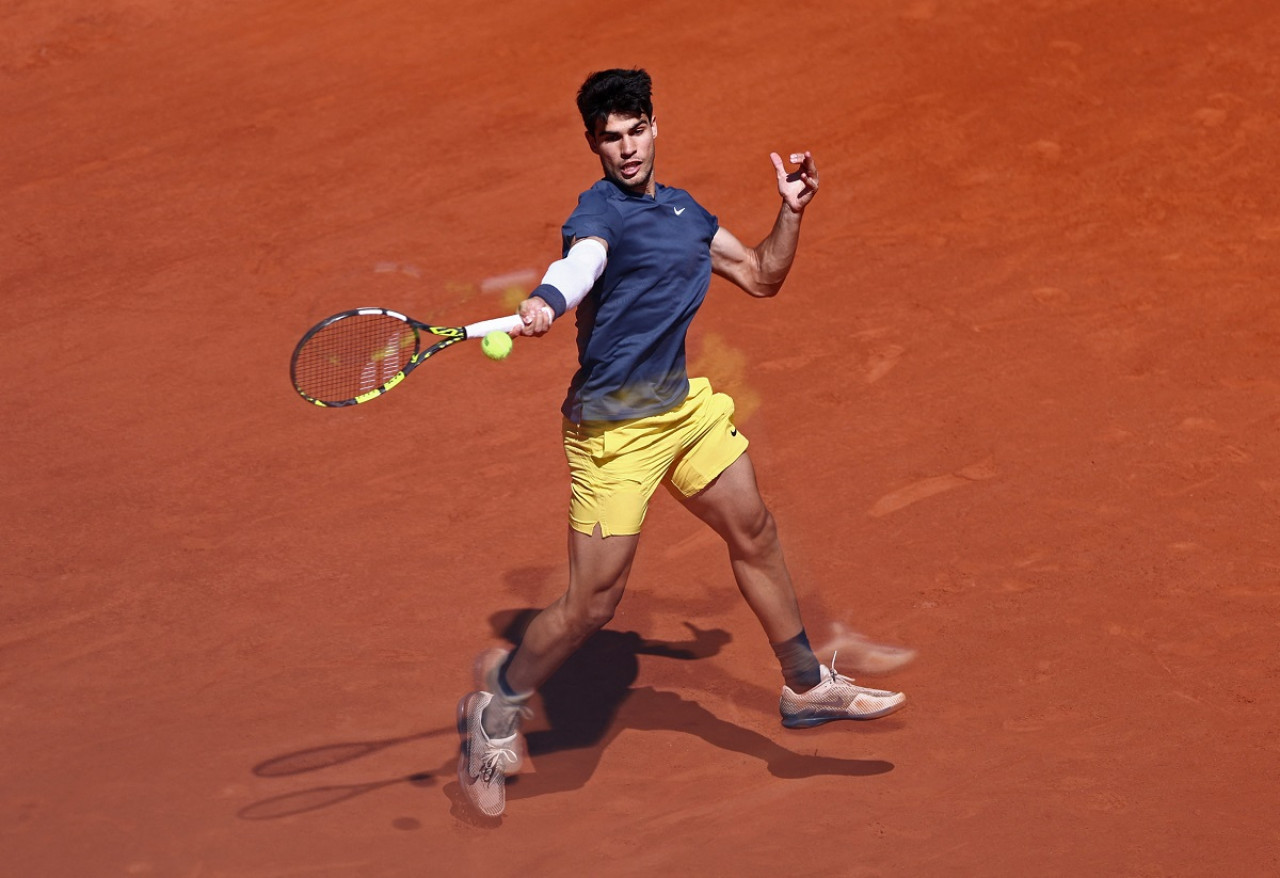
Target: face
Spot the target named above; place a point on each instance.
(625, 147)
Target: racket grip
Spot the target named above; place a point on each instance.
(498, 324)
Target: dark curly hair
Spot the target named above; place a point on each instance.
(624, 92)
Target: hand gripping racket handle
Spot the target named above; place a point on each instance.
(498, 324)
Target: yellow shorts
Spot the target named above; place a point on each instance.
(616, 466)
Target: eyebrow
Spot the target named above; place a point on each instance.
(640, 123)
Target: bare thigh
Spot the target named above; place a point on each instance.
(732, 506)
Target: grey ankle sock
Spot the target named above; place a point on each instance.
(504, 688)
(800, 666)
(502, 715)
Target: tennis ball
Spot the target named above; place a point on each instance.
(496, 345)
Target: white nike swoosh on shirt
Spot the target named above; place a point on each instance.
(678, 210)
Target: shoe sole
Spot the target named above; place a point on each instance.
(464, 736)
(808, 722)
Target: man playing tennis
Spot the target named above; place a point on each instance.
(638, 259)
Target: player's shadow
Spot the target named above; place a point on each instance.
(591, 699)
(584, 706)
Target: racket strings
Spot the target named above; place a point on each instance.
(355, 355)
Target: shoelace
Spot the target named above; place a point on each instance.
(836, 675)
(496, 758)
(500, 757)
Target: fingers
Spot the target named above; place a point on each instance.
(803, 159)
(806, 159)
(808, 172)
(806, 175)
(536, 317)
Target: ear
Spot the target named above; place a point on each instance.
(653, 126)
(591, 142)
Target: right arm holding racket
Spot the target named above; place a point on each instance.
(356, 356)
(565, 284)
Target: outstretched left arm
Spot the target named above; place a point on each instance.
(760, 270)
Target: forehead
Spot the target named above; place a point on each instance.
(619, 124)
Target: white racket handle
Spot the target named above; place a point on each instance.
(498, 324)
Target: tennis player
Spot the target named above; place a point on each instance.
(637, 263)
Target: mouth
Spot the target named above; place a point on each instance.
(630, 169)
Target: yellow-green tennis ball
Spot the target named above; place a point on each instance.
(496, 345)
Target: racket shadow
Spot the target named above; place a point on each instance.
(591, 699)
(316, 798)
(318, 758)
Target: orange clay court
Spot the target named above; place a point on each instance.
(1018, 407)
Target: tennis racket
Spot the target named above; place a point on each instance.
(356, 356)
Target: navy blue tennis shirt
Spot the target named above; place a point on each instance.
(632, 325)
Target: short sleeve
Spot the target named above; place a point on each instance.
(594, 217)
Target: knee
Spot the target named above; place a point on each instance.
(589, 616)
(757, 537)
(600, 613)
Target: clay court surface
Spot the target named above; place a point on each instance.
(1018, 407)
